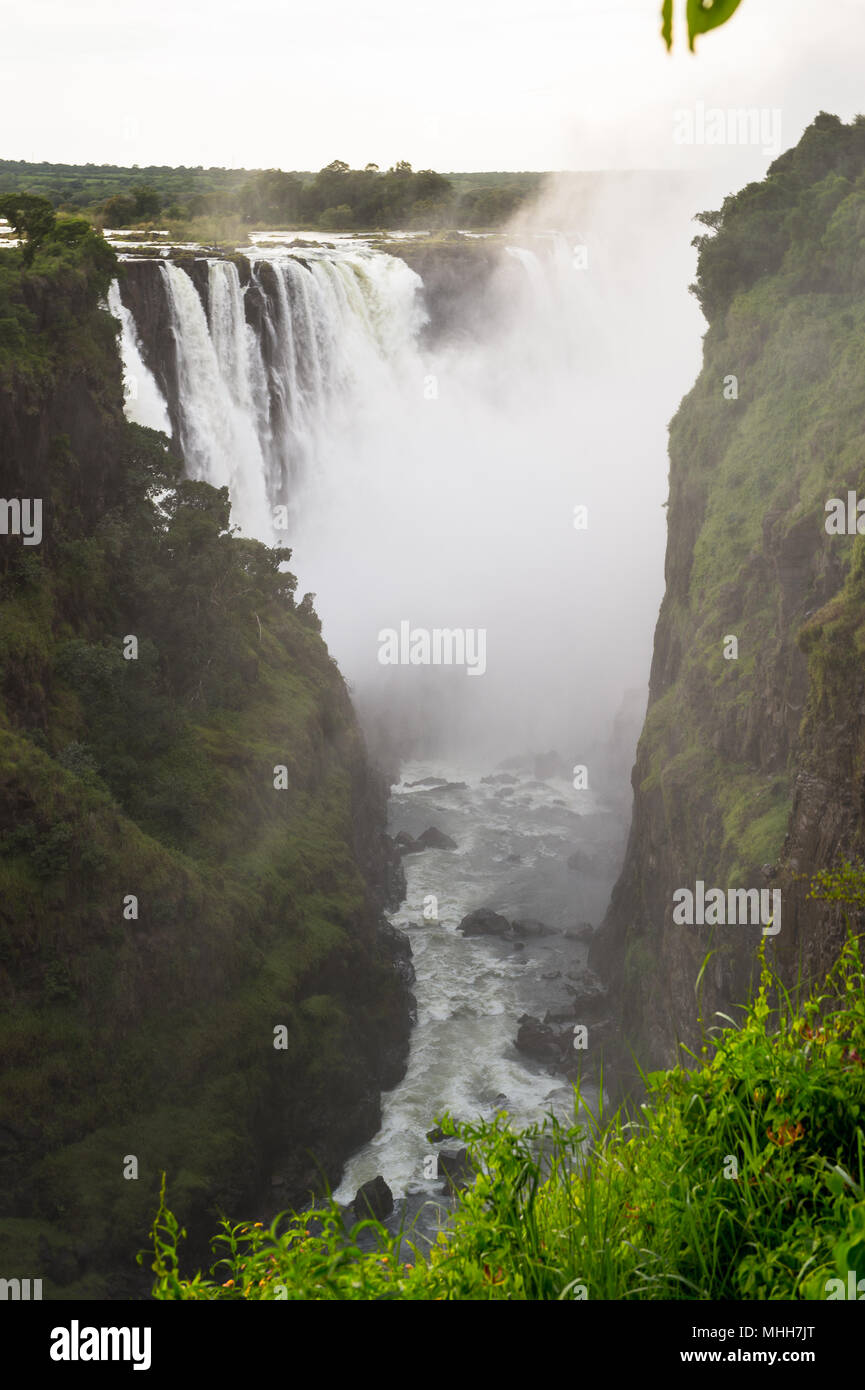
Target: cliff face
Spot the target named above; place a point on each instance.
(194, 973)
(749, 770)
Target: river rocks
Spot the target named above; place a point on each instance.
(500, 779)
(429, 782)
(455, 1168)
(540, 1041)
(484, 922)
(374, 1199)
(590, 995)
(432, 838)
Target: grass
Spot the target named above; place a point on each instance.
(742, 1177)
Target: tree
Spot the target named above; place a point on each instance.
(30, 217)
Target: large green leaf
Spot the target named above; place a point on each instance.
(703, 15)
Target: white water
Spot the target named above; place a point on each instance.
(439, 486)
(143, 401)
(472, 991)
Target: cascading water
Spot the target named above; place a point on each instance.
(438, 485)
(143, 400)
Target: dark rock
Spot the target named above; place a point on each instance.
(590, 995)
(435, 839)
(539, 1040)
(399, 949)
(514, 859)
(584, 932)
(430, 782)
(455, 1168)
(374, 1199)
(500, 779)
(484, 922)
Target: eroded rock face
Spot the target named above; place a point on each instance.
(748, 770)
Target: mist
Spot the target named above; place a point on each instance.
(448, 495)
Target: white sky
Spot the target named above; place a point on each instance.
(447, 84)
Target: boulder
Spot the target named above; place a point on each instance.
(434, 838)
(484, 922)
(374, 1199)
(455, 1168)
(539, 1040)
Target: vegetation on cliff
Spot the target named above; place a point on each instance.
(743, 1178)
(166, 900)
(749, 767)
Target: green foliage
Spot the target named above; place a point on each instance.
(703, 15)
(154, 777)
(796, 221)
(744, 1178)
(335, 198)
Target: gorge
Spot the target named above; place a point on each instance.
(420, 420)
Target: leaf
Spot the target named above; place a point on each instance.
(667, 23)
(704, 15)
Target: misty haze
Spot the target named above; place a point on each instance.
(415, 588)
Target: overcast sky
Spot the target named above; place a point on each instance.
(447, 84)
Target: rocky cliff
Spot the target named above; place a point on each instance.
(749, 770)
(194, 971)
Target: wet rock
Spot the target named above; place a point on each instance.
(484, 922)
(433, 838)
(590, 995)
(374, 1199)
(499, 779)
(398, 947)
(539, 1040)
(455, 1168)
(430, 782)
(513, 859)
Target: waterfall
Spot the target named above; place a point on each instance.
(267, 371)
(143, 401)
(441, 483)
